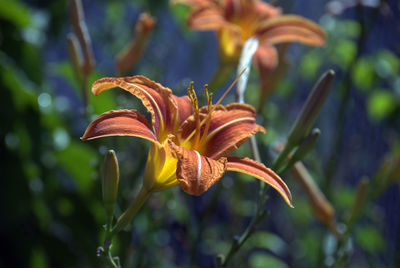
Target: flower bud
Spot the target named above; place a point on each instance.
(131, 54)
(75, 54)
(306, 145)
(388, 172)
(361, 195)
(80, 29)
(311, 109)
(321, 207)
(302, 150)
(110, 183)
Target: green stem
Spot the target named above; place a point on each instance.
(122, 222)
(260, 212)
(262, 197)
(258, 217)
(282, 157)
(131, 211)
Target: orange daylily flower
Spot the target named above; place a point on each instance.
(190, 146)
(235, 21)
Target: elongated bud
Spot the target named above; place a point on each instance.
(130, 55)
(110, 183)
(388, 172)
(394, 174)
(361, 194)
(80, 29)
(311, 109)
(303, 149)
(75, 54)
(321, 207)
(270, 69)
(306, 145)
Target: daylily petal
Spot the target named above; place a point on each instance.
(119, 123)
(156, 98)
(131, 54)
(230, 44)
(265, 10)
(291, 28)
(261, 172)
(229, 127)
(228, 130)
(208, 17)
(197, 173)
(235, 9)
(265, 59)
(160, 171)
(185, 108)
(270, 72)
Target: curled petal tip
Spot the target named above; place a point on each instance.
(119, 123)
(261, 172)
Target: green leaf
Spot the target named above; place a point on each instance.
(64, 70)
(113, 12)
(103, 102)
(349, 28)
(260, 260)
(363, 74)
(65, 207)
(15, 12)
(38, 259)
(245, 208)
(344, 52)
(24, 139)
(387, 64)
(42, 212)
(310, 64)
(370, 239)
(180, 13)
(380, 104)
(343, 198)
(269, 241)
(77, 159)
(302, 215)
(14, 79)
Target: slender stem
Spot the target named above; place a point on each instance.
(260, 213)
(122, 222)
(261, 200)
(331, 163)
(282, 157)
(347, 84)
(131, 211)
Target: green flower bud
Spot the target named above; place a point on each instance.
(110, 182)
(311, 109)
(306, 145)
(359, 201)
(302, 150)
(321, 207)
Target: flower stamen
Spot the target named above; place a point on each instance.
(195, 103)
(210, 111)
(209, 107)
